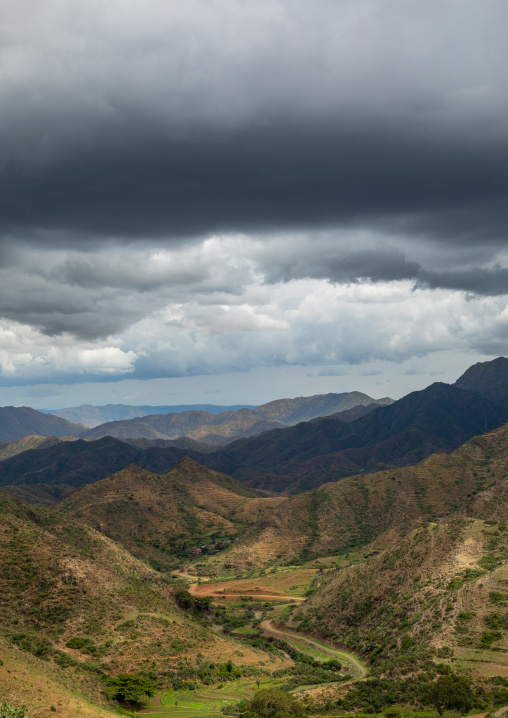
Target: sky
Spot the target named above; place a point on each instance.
(232, 201)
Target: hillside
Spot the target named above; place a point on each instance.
(437, 593)
(62, 581)
(352, 512)
(489, 379)
(156, 517)
(17, 422)
(437, 419)
(81, 462)
(305, 408)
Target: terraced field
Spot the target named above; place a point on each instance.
(205, 702)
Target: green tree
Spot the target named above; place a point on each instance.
(273, 703)
(129, 689)
(452, 693)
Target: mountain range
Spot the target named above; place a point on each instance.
(437, 419)
(91, 416)
(203, 426)
(289, 459)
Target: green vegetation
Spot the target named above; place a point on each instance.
(272, 703)
(9, 711)
(129, 689)
(451, 692)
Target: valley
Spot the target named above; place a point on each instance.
(137, 576)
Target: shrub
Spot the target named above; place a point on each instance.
(78, 642)
(9, 711)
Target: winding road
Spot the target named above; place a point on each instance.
(350, 658)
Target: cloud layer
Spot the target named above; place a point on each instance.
(204, 187)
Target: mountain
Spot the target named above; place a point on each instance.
(305, 408)
(92, 416)
(229, 425)
(17, 422)
(358, 509)
(437, 419)
(360, 410)
(438, 592)
(489, 379)
(154, 516)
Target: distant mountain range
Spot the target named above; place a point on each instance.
(229, 425)
(91, 416)
(201, 426)
(289, 459)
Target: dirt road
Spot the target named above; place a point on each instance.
(197, 589)
(269, 628)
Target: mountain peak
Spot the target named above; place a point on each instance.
(490, 379)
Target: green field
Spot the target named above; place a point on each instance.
(205, 701)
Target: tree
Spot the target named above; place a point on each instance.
(273, 703)
(129, 689)
(451, 692)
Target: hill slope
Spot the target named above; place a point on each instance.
(439, 591)
(81, 462)
(437, 419)
(154, 516)
(61, 580)
(354, 511)
(30, 442)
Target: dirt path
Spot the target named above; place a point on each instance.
(350, 657)
(197, 589)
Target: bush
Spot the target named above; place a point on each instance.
(78, 642)
(9, 711)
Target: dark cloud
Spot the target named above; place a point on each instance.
(198, 188)
(262, 179)
(180, 122)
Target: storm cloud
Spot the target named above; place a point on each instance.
(206, 187)
(176, 120)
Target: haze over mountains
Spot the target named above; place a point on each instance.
(200, 425)
(92, 416)
(288, 459)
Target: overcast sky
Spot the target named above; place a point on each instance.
(230, 201)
